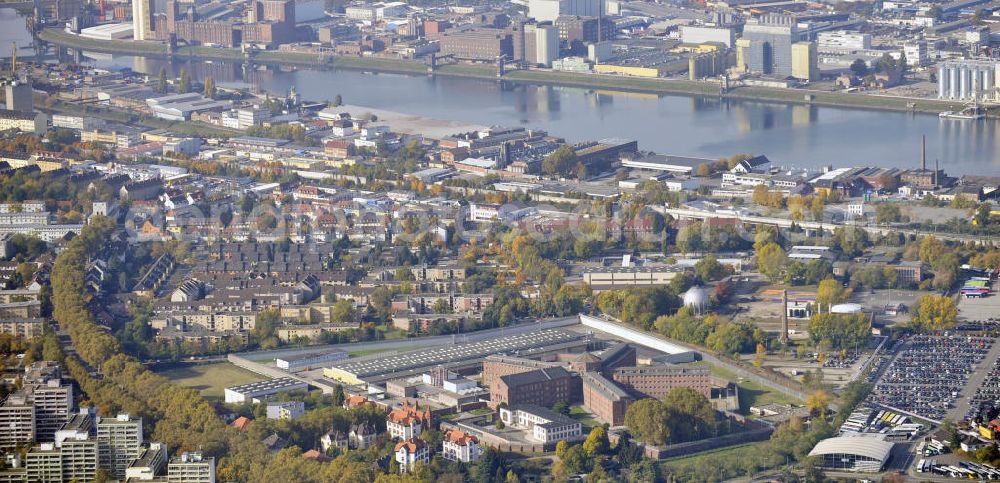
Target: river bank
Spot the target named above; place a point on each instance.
(537, 77)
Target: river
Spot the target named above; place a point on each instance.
(790, 135)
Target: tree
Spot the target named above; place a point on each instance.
(887, 213)
(343, 311)
(162, 86)
(935, 12)
(184, 85)
(761, 351)
(830, 293)
(859, 68)
(646, 420)
(209, 87)
(771, 260)
(597, 442)
(338, 101)
(511, 477)
(693, 416)
(817, 402)
(441, 306)
(935, 312)
(404, 274)
(709, 268)
(839, 331)
(560, 162)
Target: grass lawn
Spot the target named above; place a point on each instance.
(210, 379)
(698, 458)
(586, 419)
(751, 393)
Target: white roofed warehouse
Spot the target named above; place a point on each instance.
(868, 453)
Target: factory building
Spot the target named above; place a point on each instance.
(967, 78)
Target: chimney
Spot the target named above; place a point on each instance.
(784, 316)
(923, 152)
(935, 172)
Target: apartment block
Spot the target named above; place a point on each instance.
(119, 441)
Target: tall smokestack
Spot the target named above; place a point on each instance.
(784, 315)
(923, 152)
(936, 172)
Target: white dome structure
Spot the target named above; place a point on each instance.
(846, 309)
(696, 299)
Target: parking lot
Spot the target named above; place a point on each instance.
(980, 308)
(930, 373)
(984, 388)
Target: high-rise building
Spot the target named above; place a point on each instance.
(79, 459)
(44, 464)
(142, 19)
(53, 407)
(17, 421)
(191, 468)
(119, 440)
(805, 61)
(17, 96)
(768, 45)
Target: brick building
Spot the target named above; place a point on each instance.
(657, 381)
(477, 43)
(605, 399)
(543, 387)
(497, 366)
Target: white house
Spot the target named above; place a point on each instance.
(542, 424)
(460, 446)
(411, 451)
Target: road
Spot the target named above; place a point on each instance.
(817, 226)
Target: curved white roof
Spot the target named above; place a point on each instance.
(868, 446)
(846, 309)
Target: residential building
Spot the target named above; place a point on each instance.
(460, 446)
(17, 418)
(53, 403)
(407, 422)
(191, 467)
(28, 122)
(149, 464)
(410, 452)
(362, 436)
(119, 441)
(286, 410)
